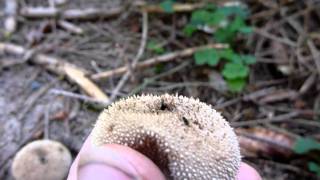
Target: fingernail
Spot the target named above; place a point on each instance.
(100, 158)
(101, 172)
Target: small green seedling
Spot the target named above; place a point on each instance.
(235, 70)
(314, 167)
(225, 23)
(304, 146)
(155, 47)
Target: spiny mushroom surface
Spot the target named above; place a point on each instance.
(42, 159)
(186, 138)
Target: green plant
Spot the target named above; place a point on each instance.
(226, 23)
(235, 69)
(167, 6)
(154, 46)
(314, 167)
(304, 146)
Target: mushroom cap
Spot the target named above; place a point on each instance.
(186, 138)
(42, 159)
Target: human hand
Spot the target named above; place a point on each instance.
(123, 163)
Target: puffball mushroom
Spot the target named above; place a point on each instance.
(184, 137)
(42, 159)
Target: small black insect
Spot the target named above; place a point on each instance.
(185, 121)
(163, 106)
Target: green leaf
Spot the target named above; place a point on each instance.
(189, 30)
(236, 85)
(237, 24)
(167, 6)
(216, 18)
(200, 17)
(248, 59)
(224, 35)
(304, 145)
(210, 6)
(235, 71)
(159, 68)
(209, 56)
(226, 54)
(314, 167)
(235, 10)
(246, 30)
(155, 47)
(236, 58)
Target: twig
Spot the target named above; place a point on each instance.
(30, 102)
(165, 86)
(70, 14)
(70, 27)
(10, 22)
(156, 60)
(280, 118)
(150, 80)
(8, 62)
(288, 167)
(176, 7)
(275, 38)
(78, 96)
(46, 121)
(138, 56)
(315, 53)
(308, 84)
(61, 67)
(147, 81)
(258, 94)
(307, 122)
(227, 103)
(95, 13)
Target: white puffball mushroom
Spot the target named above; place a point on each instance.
(185, 138)
(42, 159)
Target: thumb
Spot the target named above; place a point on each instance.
(112, 161)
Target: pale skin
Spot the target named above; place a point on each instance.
(123, 163)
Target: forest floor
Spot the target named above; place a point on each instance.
(59, 70)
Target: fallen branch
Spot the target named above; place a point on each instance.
(156, 60)
(59, 66)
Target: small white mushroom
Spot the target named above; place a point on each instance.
(42, 159)
(186, 138)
